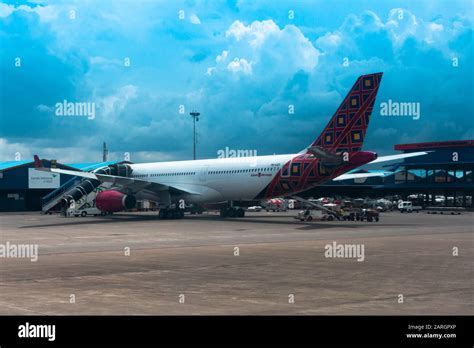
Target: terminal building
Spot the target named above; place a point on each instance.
(22, 188)
(447, 171)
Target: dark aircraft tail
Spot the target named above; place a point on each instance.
(345, 131)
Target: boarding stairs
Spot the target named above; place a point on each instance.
(80, 190)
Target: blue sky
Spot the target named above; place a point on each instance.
(240, 63)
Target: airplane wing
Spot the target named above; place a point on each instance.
(359, 176)
(379, 160)
(400, 156)
(132, 184)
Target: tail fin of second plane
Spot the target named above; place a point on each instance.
(345, 131)
(38, 163)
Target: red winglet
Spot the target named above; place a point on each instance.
(38, 163)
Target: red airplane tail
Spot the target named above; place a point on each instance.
(345, 131)
(38, 163)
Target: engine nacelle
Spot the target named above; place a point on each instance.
(111, 201)
(360, 158)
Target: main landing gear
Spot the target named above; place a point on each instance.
(167, 213)
(232, 212)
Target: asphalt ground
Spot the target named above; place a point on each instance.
(265, 263)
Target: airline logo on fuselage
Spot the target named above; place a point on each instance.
(260, 174)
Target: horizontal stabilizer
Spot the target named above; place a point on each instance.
(359, 176)
(400, 156)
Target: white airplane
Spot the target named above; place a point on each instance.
(331, 156)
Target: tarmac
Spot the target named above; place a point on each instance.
(265, 263)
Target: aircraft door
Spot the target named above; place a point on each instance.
(203, 173)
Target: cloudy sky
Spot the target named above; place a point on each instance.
(240, 63)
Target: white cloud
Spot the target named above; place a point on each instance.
(368, 21)
(333, 39)
(240, 65)
(9, 150)
(400, 26)
(256, 33)
(72, 154)
(436, 26)
(112, 105)
(44, 108)
(194, 19)
(237, 29)
(6, 10)
(45, 13)
(210, 70)
(98, 60)
(267, 47)
(222, 56)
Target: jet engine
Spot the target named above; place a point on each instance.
(111, 201)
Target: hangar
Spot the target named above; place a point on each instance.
(22, 188)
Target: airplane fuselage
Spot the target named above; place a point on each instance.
(243, 178)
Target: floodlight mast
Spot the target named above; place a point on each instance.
(195, 116)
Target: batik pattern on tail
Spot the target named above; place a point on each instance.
(345, 132)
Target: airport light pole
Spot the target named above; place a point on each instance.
(195, 116)
(105, 152)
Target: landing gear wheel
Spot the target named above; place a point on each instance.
(232, 212)
(83, 214)
(178, 214)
